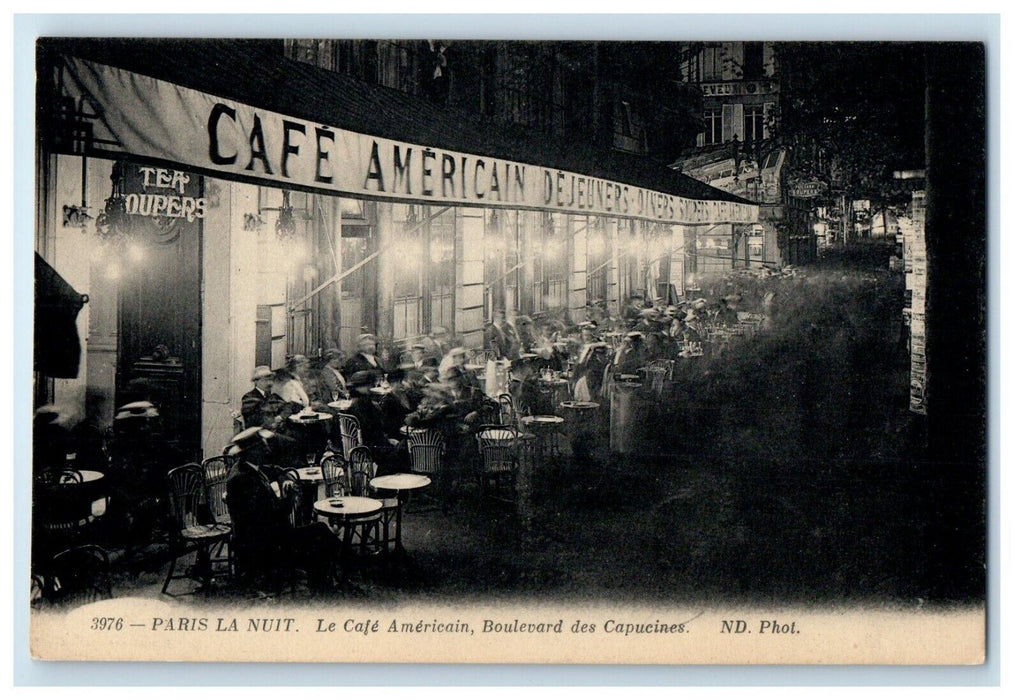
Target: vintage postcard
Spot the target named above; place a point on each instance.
(622, 352)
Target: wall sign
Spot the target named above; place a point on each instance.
(156, 119)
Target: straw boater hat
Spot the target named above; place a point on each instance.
(634, 334)
(649, 313)
(136, 409)
(700, 304)
(365, 336)
(247, 439)
(261, 372)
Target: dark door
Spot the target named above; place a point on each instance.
(159, 356)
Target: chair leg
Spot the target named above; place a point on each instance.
(170, 574)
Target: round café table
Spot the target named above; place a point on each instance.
(347, 510)
(402, 484)
(341, 405)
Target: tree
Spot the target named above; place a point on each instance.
(852, 113)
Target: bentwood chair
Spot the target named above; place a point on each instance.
(508, 414)
(78, 576)
(298, 513)
(335, 481)
(373, 533)
(192, 526)
(350, 433)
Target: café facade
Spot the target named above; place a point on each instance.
(223, 207)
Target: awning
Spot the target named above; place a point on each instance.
(241, 110)
(57, 346)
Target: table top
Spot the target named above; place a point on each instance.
(90, 475)
(554, 380)
(314, 417)
(310, 474)
(542, 419)
(400, 482)
(409, 430)
(379, 392)
(579, 405)
(347, 505)
(341, 405)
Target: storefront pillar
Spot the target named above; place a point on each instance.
(386, 231)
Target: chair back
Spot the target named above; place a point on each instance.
(498, 447)
(334, 476)
(79, 575)
(350, 433)
(296, 515)
(362, 469)
(215, 471)
(187, 497)
(508, 414)
(426, 449)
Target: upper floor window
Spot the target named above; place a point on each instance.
(754, 63)
(713, 125)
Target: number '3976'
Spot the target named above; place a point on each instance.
(103, 624)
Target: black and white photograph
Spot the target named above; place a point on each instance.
(510, 350)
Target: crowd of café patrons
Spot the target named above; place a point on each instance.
(433, 382)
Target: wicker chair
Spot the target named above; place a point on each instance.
(499, 454)
(193, 528)
(375, 533)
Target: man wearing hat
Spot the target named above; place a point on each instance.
(365, 360)
(332, 386)
(264, 540)
(258, 407)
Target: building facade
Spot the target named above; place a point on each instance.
(225, 205)
(741, 149)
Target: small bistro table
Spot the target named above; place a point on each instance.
(402, 484)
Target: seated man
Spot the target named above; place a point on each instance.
(258, 408)
(264, 539)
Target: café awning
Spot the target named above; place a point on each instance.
(57, 346)
(241, 110)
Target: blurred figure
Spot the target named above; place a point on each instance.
(631, 355)
(289, 387)
(404, 397)
(332, 385)
(370, 420)
(365, 359)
